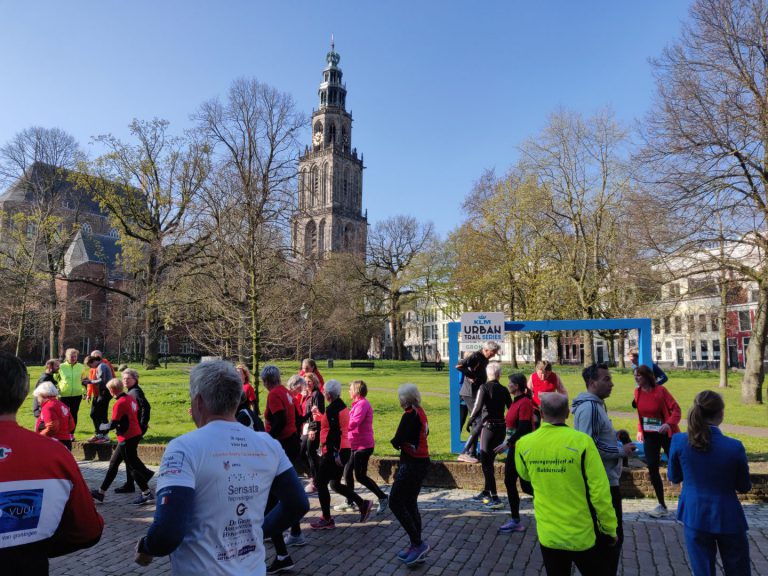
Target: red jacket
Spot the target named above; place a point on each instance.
(125, 411)
(659, 404)
(55, 420)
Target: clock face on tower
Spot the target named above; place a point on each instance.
(317, 138)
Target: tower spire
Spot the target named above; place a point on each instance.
(333, 45)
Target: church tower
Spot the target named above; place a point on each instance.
(329, 217)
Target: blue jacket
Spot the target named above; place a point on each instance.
(710, 480)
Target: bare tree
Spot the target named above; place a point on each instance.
(706, 150)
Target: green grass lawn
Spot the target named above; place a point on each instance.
(167, 390)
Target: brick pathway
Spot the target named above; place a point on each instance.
(463, 538)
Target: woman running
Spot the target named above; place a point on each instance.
(658, 415)
(361, 442)
(411, 440)
(712, 468)
(544, 380)
(334, 427)
(312, 409)
(519, 422)
(55, 419)
(492, 400)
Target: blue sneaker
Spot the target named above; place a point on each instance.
(404, 553)
(418, 554)
(511, 526)
(480, 497)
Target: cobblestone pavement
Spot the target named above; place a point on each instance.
(462, 535)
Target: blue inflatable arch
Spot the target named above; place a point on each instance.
(642, 325)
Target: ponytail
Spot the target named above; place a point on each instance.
(706, 406)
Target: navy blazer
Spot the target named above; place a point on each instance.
(710, 480)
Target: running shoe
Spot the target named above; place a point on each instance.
(147, 498)
(278, 565)
(365, 510)
(383, 505)
(345, 507)
(125, 489)
(494, 503)
(404, 553)
(511, 526)
(101, 439)
(323, 524)
(480, 497)
(297, 540)
(93, 439)
(467, 458)
(311, 488)
(659, 512)
(418, 554)
(97, 495)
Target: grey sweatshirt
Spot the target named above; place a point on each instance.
(591, 417)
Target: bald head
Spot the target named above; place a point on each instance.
(554, 407)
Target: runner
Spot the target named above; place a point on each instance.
(312, 408)
(334, 442)
(658, 416)
(55, 420)
(492, 399)
(131, 386)
(411, 440)
(519, 422)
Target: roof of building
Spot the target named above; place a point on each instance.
(92, 248)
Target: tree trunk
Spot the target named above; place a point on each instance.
(537, 345)
(589, 357)
(622, 340)
(611, 348)
(53, 324)
(752, 384)
(151, 338)
(723, 335)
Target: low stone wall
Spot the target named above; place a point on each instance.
(635, 482)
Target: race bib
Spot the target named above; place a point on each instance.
(652, 424)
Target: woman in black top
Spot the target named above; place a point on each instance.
(492, 401)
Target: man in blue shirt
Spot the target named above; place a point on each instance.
(633, 358)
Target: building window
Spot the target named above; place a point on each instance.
(678, 324)
(702, 322)
(691, 324)
(715, 349)
(658, 351)
(693, 350)
(674, 290)
(668, 351)
(704, 350)
(86, 309)
(113, 233)
(187, 346)
(31, 230)
(668, 325)
(656, 326)
(86, 228)
(164, 344)
(715, 323)
(745, 324)
(85, 345)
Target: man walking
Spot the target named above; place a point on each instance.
(213, 485)
(46, 508)
(591, 417)
(569, 481)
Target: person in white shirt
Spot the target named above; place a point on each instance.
(213, 485)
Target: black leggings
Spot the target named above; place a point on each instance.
(510, 481)
(559, 562)
(491, 435)
(127, 451)
(470, 447)
(654, 442)
(357, 467)
(309, 454)
(99, 409)
(73, 403)
(330, 474)
(291, 446)
(403, 497)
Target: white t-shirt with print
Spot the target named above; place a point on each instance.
(231, 469)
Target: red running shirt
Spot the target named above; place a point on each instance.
(126, 411)
(520, 411)
(280, 399)
(250, 393)
(543, 385)
(55, 420)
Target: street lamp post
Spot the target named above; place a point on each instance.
(306, 314)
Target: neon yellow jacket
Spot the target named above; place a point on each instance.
(566, 471)
(71, 379)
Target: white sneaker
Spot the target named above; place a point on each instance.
(345, 507)
(659, 512)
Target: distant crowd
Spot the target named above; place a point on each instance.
(225, 488)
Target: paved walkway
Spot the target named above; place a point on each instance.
(463, 537)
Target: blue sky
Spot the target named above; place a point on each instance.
(439, 90)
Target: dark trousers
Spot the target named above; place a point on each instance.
(128, 451)
(702, 550)
(559, 562)
(491, 435)
(309, 454)
(329, 474)
(613, 553)
(99, 410)
(403, 497)
(357, 467)
(470, 447)
(510, 482)
(292, 447)
(654, 442)
(73, 403)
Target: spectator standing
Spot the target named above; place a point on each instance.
(634, 361)
(50, 374)
(658, 415)
(55, 420)
(248, 389)
(72, 379)
(472, 369)
(519, 421)
(361, 443)
(309, 366)
(100, 374)
(196, 478)
(712, 468)
(411, 440)
(280, 421)
(130, 379)
(62, 517)
(590, 416)
(125, 421)
(312, 409)
(491, 402)
(569, 481)
(334, 443)
(544, 380)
